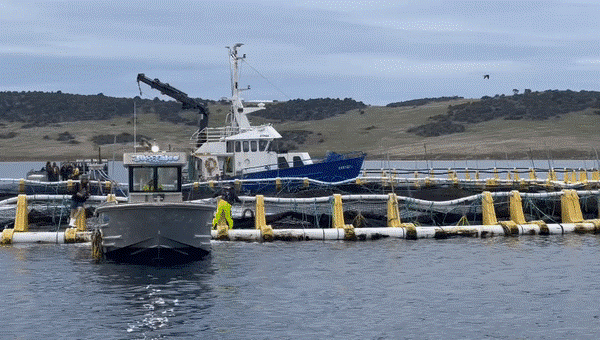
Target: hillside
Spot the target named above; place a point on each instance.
(42, 108)
(559, 124)
(529, 106)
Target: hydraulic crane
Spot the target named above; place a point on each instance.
(187, 102)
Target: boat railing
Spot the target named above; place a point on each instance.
(216, 134)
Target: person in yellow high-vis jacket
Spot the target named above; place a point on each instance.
(226, 199)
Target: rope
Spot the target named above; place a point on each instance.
(97, 253)
(265, 78)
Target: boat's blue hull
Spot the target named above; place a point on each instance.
(331, 171)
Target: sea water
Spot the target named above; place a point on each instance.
(528, 287)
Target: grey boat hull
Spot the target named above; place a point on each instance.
(155, 233)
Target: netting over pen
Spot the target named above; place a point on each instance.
(430, 184)
(372, 210)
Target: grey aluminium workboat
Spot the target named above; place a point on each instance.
(155, 226)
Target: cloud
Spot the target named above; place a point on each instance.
(386, 66)
(325, 47)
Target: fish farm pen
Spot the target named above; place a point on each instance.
(431, 184)
(408, 204)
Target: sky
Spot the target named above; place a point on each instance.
(377, 52)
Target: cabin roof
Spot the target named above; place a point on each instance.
(260, 132)
(155, 158)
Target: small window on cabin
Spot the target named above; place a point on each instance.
(262, 145)
(230, 146)
(246, 146)
(141, 179)
(297, 161)
(167, 178)
(253, 146)
(282, 163)
(238, 146)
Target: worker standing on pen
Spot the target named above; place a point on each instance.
(227, 198)
(82, 193)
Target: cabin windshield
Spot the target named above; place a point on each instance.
(153, 179)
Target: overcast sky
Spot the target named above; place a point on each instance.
(373, 51)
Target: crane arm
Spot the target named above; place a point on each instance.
(168, 90)
(182, 97)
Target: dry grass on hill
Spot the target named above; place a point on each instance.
(379, 131)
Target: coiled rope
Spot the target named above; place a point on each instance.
(97, 253)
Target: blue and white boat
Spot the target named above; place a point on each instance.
(243, 151)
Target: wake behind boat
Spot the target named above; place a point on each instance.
(156, 226)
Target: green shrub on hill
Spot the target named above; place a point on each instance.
(311, 109)
(527, 106)
(43, 108)
(422, 101)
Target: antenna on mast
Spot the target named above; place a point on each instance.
(238, 115)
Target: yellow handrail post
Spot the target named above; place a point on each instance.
(393, 220)
(487, 209)
(22, 186)
(532, 175)
(338, 211)
(260, 220)
(570, 207)
(516, 208)
(21, 215)
(338, 218)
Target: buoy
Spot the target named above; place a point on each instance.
(363, 234)
(38, 237)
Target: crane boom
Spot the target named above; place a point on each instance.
(183, 98)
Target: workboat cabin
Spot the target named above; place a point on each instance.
(155, 176)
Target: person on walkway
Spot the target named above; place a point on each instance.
(82, 193)
(226, 198)
(75, 173)
(64, 171)
(49, 171)
(55, 172)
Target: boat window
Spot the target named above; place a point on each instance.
(141, 179)
(282, 163)
(168, 178)
(262, 145)
(152, 179)
(297, 161)
(246, 146)
(253, 146)
(230, 146)
(238, 146)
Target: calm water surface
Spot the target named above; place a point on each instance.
(530, 287)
